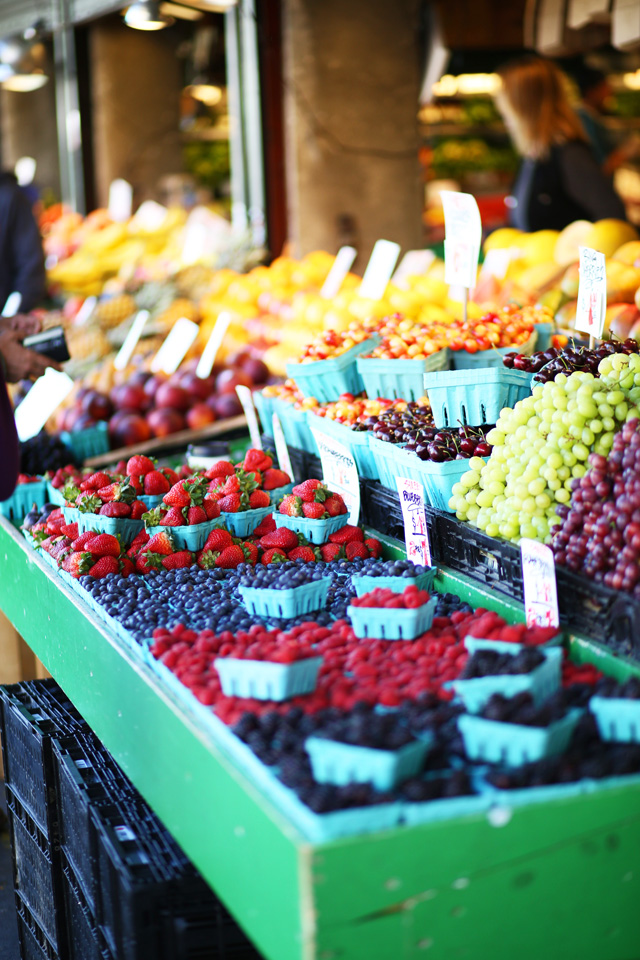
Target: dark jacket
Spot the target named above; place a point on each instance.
(9, 455)
(566, 186)
(21, 257)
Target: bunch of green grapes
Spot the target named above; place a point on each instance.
(541, 445)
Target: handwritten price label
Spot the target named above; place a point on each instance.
(416, 535)
(463, 228)
(592, 293)
(339, 472)
(539, 578)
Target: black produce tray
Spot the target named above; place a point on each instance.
(37, 874)
(33, 943)
(83, 935)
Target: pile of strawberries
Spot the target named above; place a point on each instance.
(26, 478)
(186, 503)
(347, 543)
(410, 599)
(313, 500)
(79, 554)
(62, 475)
(116, 495)
(247, 485)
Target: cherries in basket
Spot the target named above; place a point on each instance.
(450, 443)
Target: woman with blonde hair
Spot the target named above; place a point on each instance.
(559, 180)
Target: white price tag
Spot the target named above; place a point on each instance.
(496, 263)
(214, 343)
(12, 305)
(463, 229)
(120, 200)
(130, 341)
(339, 472)
(592, 293)
(150, 216)
(246, 399)
(282, 450)
(195, 238)
(43, 398)
(539, 578)
(173, 350)
(416, 535)
(340, 268)
(413, 264)
(379, 269)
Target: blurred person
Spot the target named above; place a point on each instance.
(21, 255)
(559, 180)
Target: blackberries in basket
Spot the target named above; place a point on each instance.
(521, 709)
(485, 663)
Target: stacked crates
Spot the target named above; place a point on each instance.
(97, 876)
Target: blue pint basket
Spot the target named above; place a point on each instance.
(541, 683)
(356, 441)
(327, 379)
(264, 680)
(618, 718)
(187, 537)
(123, 527)
(295, 425)
(243, 523)
(18, 505)
(512, 743)
(265, 407)
(364, 583)
(341, 763)
(437, 479)
(474, 397)
(316, 531)
(286, 604)
(150, 500)
(461, 360)
(90, 442)
(54, 495)
(545, 332)
(279, 492)
(399, 379)
(385, 624)
(381, 451)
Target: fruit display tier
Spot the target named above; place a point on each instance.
(474, 884)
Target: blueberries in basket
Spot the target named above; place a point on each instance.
(485, 663)
(521, 709)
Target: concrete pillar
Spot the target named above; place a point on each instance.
(28, 128)
(352, 77)
(136, 86)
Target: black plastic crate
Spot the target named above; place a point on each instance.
(84, 939)
(33, 943)
(37, 873)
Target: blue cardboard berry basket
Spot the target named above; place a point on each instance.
(243, 524)
(541, 683)
(384, 461)
(295, 425)
(264, 680)
(437, 479)
(399, 379)
(364, 583)
(187, 537)
(18, 505)
(462, 360)
(618, 718)
(54, 495)
(90, 442)
(385, 624)
(71, 514)
(357, 443)
(122, 527)
(327, 379)
(343, 763)
(514, 744)
(288, 603)
(151, 501)
(545, 332)
(474, 397)
(265, 407)
(279, 492)
(316, 531)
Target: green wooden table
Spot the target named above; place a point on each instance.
(559, 880)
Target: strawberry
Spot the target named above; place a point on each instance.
(124, 492)
(259, 498)
(347, 534)
(231, 503)
(173, 518)
(115, 509)
(313, 511)
(273, 478)
(221, 469)
(80, 542)
(126, 567)
(356, 549)
(162, 543)
(177, 496)
(206, 559)
(307, 554)
(311, 490)
(231, 484)
(196, 515)
(218, 539)
(283, 538)
(147, 561)
(87, 503)
(251, 552)
(77, 564)
(60, 550)
(268, 525)
(211, 508)
(230, 557)
(139, 541)
(137, 484)
(256, 460)
(335, 506)
(94, 481)
(275, 555)
(331, 551)
(104, 545)
(138, 509)
(70, 530)
(139, 466)
(179, 560)
(104, 566)
(170, 474)
(375, 547)
(121, 468)
(291, 506)
(156, 484)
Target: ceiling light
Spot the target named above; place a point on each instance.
(145, 15)
(180, 12)
(24, 82)
(466, 83)
(205, 92)
(22, 64)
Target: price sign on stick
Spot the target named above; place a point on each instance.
(214, 343)
(246, 399)
(173, 350)
(463, 235)
(339, 472)
(413, 264)
(45, 396)
(539, 577)
(340, 268)
(282, 450)
(126, 350)
(416, 535)
(379, 269)
(592, 293)
(120, 200)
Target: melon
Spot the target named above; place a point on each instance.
(607, 236)
(570, 240)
